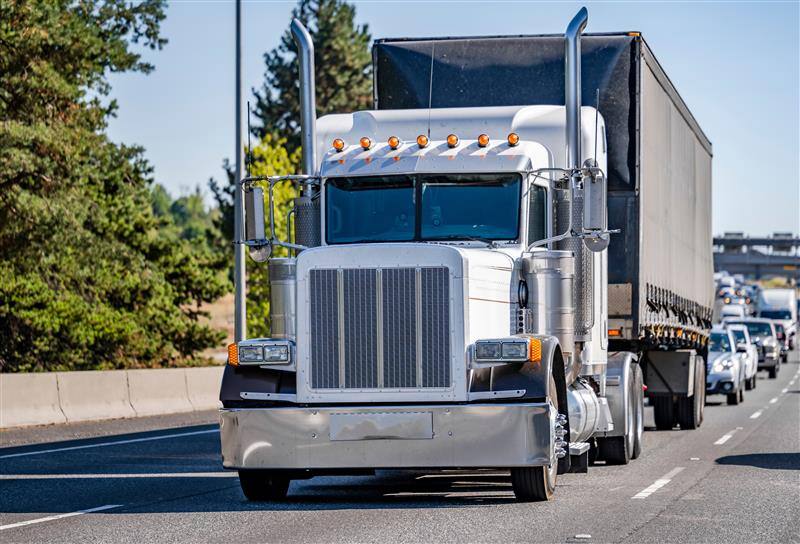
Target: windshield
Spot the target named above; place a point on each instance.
(422, 207)
(720, 342)
(738, 334)
(775, 314)
(757, 329)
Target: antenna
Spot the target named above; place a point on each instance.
(430, 89)
(249, 147)
(596, 123)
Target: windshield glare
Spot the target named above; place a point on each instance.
(757, 329)
(422, 207)
(775, 314)
(720, 342)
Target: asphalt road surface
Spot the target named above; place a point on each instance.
(736, 479)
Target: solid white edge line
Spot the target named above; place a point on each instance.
(658, 484)
(111, 475)
(58, 516)
(104, 444)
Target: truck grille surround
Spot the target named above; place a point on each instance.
(380, 328)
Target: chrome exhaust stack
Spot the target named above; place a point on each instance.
(307, 227)
(572, 86)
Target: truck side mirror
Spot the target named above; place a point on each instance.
(255, 237)
(595, 208)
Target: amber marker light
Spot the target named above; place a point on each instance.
(483, 140)
(535, 350)
(452, 140)
(233, 355)
(394, 142)
(422, 140)
(513, 139)
(614, 333)
(366, 143)
(338, 144)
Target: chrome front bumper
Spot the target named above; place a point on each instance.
(468, 436)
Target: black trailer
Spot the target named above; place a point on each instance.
(660, 267)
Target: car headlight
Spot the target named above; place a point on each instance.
(720, 366)
(276, 353)
(508, 350)
(251, 354)
(488, 350)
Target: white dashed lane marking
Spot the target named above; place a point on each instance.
(59, 516)
(757, 414)
(728, 436)
(658, 484)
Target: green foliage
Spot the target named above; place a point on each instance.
(93, 274)
(343, 66)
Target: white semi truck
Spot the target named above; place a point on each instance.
(452, 300)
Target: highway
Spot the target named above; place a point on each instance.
(736, 479)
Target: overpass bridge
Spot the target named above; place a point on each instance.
(758, 257)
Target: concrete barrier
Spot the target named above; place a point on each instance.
(94, 394)
(203, 386)
(64, 397)
(29, 399)
(158, 392)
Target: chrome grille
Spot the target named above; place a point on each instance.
(386, 328)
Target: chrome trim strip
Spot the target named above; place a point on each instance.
(247, 395)
(340, 308)
(379, 323)
(418, 296)
(484, 395)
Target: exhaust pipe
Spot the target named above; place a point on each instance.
(307, 228)
(572, 86)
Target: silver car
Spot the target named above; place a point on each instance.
(748, 352)
(725, 371)
(763, 334)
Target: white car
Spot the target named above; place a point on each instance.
(748, 352)
(725, 370)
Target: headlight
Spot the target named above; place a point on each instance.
(276, 353)
(720, 366)
(488, 350)
(515, 350)
(250, 354)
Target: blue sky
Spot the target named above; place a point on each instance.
(736, 64)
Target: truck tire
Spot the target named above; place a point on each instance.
(663, 412)
(263, 485)
(690, 409)
(615, 450)
(536, 483)
(638, 390)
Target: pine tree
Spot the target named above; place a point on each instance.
(343, 66)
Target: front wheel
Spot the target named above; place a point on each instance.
(534, 483)
(263, 485)
(733, 399)
(748, 383)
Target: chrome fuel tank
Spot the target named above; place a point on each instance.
(549, 276)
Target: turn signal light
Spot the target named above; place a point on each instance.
(535, 350)
(366, 143)
(483, 140)
(422, 140)
(338, 144)
(452, 140)
(513, 139)
(233, 355)
(394, 142)
(613, 333)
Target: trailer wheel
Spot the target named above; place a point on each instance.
(263, 485)
(663, 412)
(536, 483)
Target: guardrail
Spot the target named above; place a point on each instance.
(67, 397)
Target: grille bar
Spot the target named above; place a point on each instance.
(380, 328)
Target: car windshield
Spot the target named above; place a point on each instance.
(423, 207)
(720, 342)
(738, 334)
(756, 328)
(775, 314)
